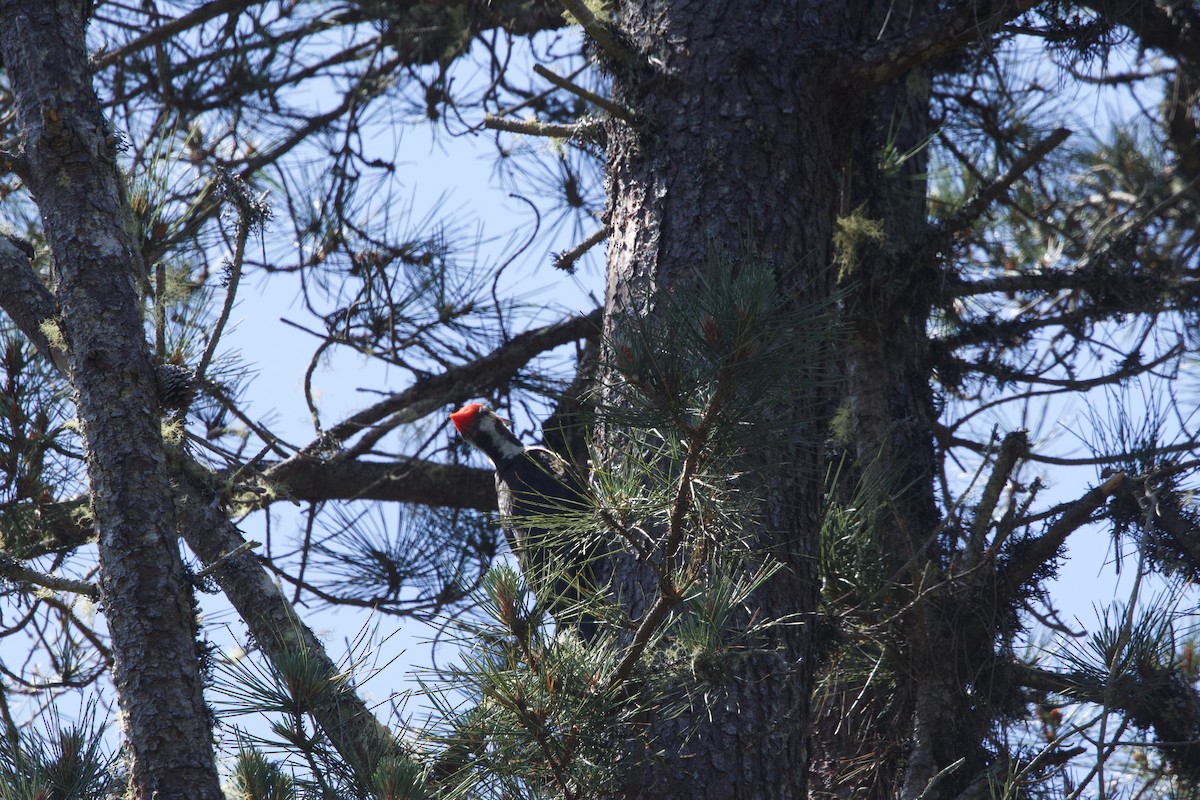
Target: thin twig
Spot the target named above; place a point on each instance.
(936, 779)
(579, 131)
(235, 274)
(565, 260)
(537, 98)
(162, 33)
(654, 619)
(944, 33)
(615, 109)
(279, 446)
(1014, 446)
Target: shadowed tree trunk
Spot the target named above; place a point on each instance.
(737, 146)
(66, 156)
(753, 131)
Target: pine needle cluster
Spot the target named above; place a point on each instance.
(541, 707)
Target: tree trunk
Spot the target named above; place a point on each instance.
(898, 737)
(737, 144)
(746, 135)
(67, 158)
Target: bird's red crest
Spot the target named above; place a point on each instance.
(466, 419)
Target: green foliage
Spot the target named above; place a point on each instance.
(255, 778)
(853, 568)
(395, 779)
(1126, 660)
(543, 715)
(62, 761)
(707, 367)
(284, 694)
(715, 630)
(534, 710)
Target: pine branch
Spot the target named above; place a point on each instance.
(312, 481)
(1043, 549)
(351, 727)
(985, 196)
(939, 236)
(1168, 519)
(565, 260)
(1104, 459)
(618, 111)
(246, 220)
(519, 17)
(1014, 447)
(1175, 30)
(969, 21)
(161, 33)
(536, 99)
(407, 481)
(670, 593)
(651, 622)
(939, 777)
(27, 302)
(456, 383)
(16, 572)
(580, 131)
(600, 31)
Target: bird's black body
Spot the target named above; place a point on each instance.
(534, 486)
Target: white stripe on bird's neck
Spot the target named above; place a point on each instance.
(504, 444)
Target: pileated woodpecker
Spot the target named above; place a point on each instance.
(534, 484)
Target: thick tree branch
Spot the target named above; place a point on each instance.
(64, 527)
(423, 482)
(27, 302)
(14, 571)
(456, 383)
(351, 727)
(942, 35)
(1043, 549)
(600, 31)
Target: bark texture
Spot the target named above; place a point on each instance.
(357, 735)
(67, 159)
(737, 143)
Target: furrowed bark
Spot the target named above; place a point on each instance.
(682, 180)
(352, 729)
(70, 168)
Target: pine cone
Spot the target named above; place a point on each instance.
(176, 387)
